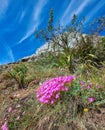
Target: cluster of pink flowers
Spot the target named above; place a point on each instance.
(4, 126)
(87, 86)
(9, 111)
(50, 90)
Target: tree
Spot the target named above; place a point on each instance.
(59, 37)
(65, 40)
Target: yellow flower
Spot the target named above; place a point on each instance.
(85, 109)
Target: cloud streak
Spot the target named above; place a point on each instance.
(3, 7)
(71, 10)
(9, 52)
(96, 8)
(36, 21)
(8, 57)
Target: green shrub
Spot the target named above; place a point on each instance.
(18, 73)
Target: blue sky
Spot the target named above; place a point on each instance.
(19, 18)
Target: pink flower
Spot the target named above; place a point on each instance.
(18, 118)
(15, 110)
(66, 88)
(82, 83)
(4, 126)
(57, 96)
(88, 87)
(91, 99)
(91, 84)
(52, 101)
(9, 109)
(99, 86)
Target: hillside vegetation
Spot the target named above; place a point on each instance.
(58, 90)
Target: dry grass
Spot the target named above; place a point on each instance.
(33, 115)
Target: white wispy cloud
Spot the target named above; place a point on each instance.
(36, 19)
(7, 54)
(3, 7)
(75, 7)
(10, 53)
(23, 13)
(27, 35)
(82, 6)
(67, 11)
(95, 9)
